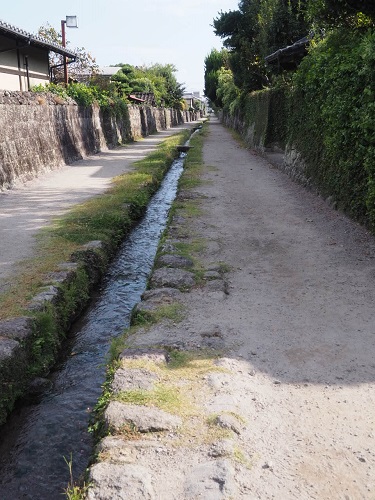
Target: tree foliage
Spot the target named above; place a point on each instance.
(256, 29)
(227, 91)
(158, 79)
(213, 63)
(332, 13)
(84, 64)
(260, 27)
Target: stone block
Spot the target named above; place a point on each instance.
(132, 379)
(20, 328)
(211, 481)
(175, 261)
(145, 354)
(8, 349)
(120, 482)
(144, 419)
(175, 278)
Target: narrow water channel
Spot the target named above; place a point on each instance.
(37, 437)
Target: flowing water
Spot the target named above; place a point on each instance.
(38, 436)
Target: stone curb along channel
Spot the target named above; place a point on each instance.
(138, 434)
(29, 344)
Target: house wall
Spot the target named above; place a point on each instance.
(39, 133)
(12, 65)
(38, 66)
(9, 72)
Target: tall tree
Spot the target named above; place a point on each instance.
(213, 63)
(255, 30)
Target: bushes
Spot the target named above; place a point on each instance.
(84, 95)
(277, 126)
(326, 112)
(332, 124)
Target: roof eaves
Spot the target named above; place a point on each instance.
(36, 40)
(298, 47)
(135, 98)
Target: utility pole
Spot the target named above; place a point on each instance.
(69, 22)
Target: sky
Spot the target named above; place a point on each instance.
(137, 32)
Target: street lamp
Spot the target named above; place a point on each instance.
(69, 22)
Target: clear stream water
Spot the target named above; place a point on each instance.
(38, 436)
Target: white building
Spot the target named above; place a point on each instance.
(193, 100)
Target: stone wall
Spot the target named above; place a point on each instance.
(41, 132)
(260, 131)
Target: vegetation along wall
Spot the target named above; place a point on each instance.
(42, 131)
(301, 75)
(323, 117)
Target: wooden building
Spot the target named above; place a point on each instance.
(24, 60)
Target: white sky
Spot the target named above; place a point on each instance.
(135, 32)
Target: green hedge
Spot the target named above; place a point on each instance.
(332, 119)
(327, 112)
(277, 130)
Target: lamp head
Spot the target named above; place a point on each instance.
(71, 22)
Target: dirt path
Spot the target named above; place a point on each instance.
(302, 309)
(295, 384)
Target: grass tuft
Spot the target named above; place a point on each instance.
(163, 396)
(73, 491)
(172, 312)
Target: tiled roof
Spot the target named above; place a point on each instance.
(147, 97)
(35, 40)
(290, 55)
(134, 98)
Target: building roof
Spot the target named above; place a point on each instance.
(108, 70)
(34, 40)
(146, 97)
(134, 98)
(289, 57)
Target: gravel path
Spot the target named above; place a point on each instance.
(292, 315)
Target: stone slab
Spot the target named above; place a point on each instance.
(175, 278)
(133, 378)
(120, 482)
(144, 419)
